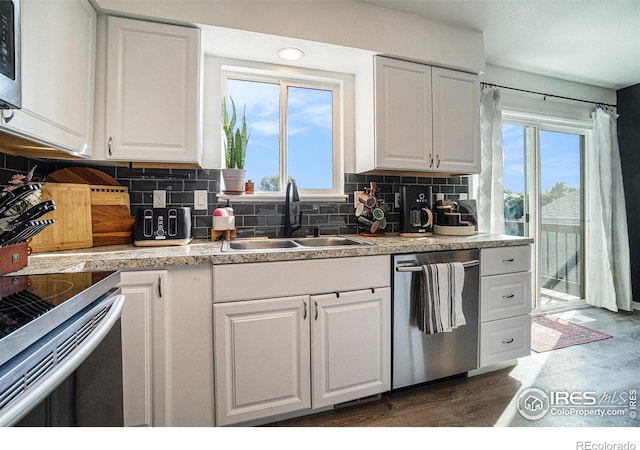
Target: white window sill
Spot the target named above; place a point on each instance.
(272, 198)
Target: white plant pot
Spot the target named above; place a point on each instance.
(233, 180)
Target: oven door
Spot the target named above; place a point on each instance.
(74, 378)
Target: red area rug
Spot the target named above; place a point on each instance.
(548, 333)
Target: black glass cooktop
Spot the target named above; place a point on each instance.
(33, 305)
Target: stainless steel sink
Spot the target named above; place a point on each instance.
(329, 241)
(267, 244)
(253, 245)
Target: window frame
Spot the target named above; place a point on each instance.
(285, 77)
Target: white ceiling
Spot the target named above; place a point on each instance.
(595, 42)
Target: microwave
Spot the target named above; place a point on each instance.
(10, 43)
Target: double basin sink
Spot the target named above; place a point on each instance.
(303, 243)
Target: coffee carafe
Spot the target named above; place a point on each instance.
(416, 211)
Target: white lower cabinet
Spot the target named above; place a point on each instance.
(261, 358)
(505, 304)
(350, 346)
(505, 339)
(144, 355)
(328, 342)
(167, 350)
(281, 355)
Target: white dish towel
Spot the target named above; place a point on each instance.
(436, 297)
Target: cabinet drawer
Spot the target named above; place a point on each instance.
(504, 339)
(503, 296)
(499, 260)
(234, 282)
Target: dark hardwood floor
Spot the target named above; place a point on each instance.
(610, 367)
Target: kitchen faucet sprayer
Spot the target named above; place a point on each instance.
(291, 194)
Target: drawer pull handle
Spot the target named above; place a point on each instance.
(508, 341)
(304, 317)
(508, 260)
(508, 296)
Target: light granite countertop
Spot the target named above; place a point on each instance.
(125, 257)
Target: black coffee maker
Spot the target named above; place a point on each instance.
(416, 211)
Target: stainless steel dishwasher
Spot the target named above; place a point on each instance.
(420, 357)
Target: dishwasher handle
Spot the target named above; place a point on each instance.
(465, 264)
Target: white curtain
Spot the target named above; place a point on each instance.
(608, 267)
(490, 187)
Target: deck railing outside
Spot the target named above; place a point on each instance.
(561, 254)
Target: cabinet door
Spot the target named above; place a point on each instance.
(403, 115)
(152, 93)
(456, 121)
(261, 354)
(351, 345)
(58, 72)
(144, 356)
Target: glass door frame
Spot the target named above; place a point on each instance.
(536, 123)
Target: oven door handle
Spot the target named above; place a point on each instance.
(21, 406)
(466, 264)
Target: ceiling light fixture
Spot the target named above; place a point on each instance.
(290, 53)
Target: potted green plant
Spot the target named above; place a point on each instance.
(235, 142)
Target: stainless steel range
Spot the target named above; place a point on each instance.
(60, 350)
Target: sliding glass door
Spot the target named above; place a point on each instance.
(544, 186)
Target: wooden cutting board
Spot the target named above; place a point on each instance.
(82, 175)
(72, 228)
(111, 219)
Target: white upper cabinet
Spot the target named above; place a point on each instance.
(403, 115)
(58, 73)
(152, 94)
(456, 121)
(427, 119)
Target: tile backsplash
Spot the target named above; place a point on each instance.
(252, 219)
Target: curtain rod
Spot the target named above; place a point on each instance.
(483, 84)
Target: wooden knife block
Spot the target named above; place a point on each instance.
(12, 258)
